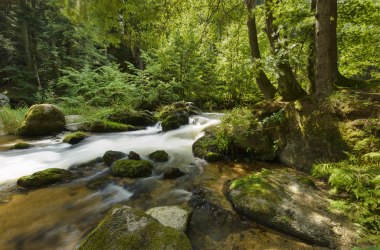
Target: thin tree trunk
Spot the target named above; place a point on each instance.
(288, 86)
(262, 80)
(311, 58)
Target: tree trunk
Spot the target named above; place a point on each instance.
(288, 86)
(311, 59)
(262, 80)
(326, 49)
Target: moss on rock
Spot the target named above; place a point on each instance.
(21, 145)
(132, 168)
(45, 177)
(110, 157)
(74, 138)
(159, 156)
(42, 120)
(175, 115)
(131, 117)
(213, 157)
(125, 228)
(104, 126)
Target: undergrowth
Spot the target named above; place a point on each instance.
(11, 119)
(359, 179)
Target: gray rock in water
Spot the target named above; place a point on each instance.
(171, 216)
(125, 228)
(172, 173)
(4, 100)
(289, 201)
(110, 157)
(134, 156)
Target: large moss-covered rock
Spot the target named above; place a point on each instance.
(176, 115)
(171, 216)
(209, 146)
(74, 138)
(132, 168)
(289, 201)
(110, 157)
(45, 177)
(105, 126)
(125, 228)
(132, 117)
(41, 120)
(159, 156)
(21, 145)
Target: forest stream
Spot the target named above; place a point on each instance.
(57, 217)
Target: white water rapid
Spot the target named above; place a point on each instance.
(177, 143)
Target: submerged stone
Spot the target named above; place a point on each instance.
(172, 173)
(171, 216)
(45, 177)
(41, 120)
(159, 156)
(110, 157)
(125, 228)
(132, 168)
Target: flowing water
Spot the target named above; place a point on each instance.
(58, 217)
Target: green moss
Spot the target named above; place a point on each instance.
(213, 141)
(213, 157)
(373, 157)
(132, 168)
(45, 177)
(21, 145)
(127, 229)
(104, 126)
(42, 119)
(258, 185)
(74, 138)
(126, 115)
(159, 156)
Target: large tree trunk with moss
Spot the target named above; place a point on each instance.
(262, 80)
(288, 86)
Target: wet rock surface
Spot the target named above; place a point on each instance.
(288, 201)
(126, 228)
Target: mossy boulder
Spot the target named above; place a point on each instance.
(159, 156)
(21, 145)
(125, 228)
(172, 173)
(104, 126)
(209, 146)
(132, 168)
(213, 157)
(132, 117)
(42, 120)
(110, 157)
(288, 201)
(45, 177)
(176, 115)
(74, 138)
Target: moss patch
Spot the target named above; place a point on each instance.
(45, 177)
(159, 156)
(104, 126)
(213, 157)
(131, 117)
(132, 168)
(74, 138)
